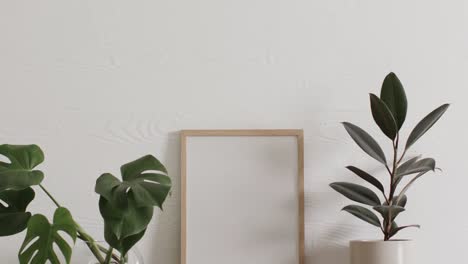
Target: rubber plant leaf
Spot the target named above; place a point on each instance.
(422, 165)
(400, 202)
(396, 228)
(397, 201)
(356, 193)
(365, 142)
(363, 214)
(389, 211)
(383, 117)
(394, 96)
(367, 177)
(18, 174)
(425, 124)
(13, 216)
(408, 185)
(41, 238)
(406, 165)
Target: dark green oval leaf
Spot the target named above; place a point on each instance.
(44, 235)
(408, 185)
(363, 214)
(365, 142)
(397, 201)
(423, 165)
(401, 202)
(393, 95)
(396, 229)
(383, 117)
(13, 217)
(389, 211)
(367, 177)
(425, 124)
(356, 193)
(19, 173)
(426, 164)
(407, 164)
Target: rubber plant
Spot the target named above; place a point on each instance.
(389, 113)
(126, 207)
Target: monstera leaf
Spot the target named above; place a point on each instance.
(38, 246)
(145, 179)
(19, 173)
(127, 222)
(122, 245)
(127, 206)
(13, 217)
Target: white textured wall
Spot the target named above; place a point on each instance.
(99, 83)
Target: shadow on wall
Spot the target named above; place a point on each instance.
(330, 255)
(330, 247)
(165, 246)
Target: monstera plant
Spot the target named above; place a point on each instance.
(126, 206)
(389, 113)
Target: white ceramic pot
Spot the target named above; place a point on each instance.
(382, 252)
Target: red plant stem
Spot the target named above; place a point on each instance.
(388, 222)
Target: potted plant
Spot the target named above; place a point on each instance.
(389, 113)
(126, 207)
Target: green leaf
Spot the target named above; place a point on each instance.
(19, 173)
(393, 95)
(401, 202)
(356, 193)
(145, 179)
(425, 124)
(407, 164)
(423, 165)
(389, 211)
(383, 117)
(122, 245)
(363, 214)
(13, 217)
(427, 164)
(365, 142)
(127, 222)
(367, 177)
(127, 206)
(38, 246)
(398, 202)
(408, 185)
(396, 229)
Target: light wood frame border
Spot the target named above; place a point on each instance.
(298, 133)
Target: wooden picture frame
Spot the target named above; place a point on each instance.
(185, 135)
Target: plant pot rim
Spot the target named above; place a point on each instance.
(381, 241)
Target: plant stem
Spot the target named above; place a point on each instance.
(50, 196)
(109, 255)
(388, 222)
(89, 241)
